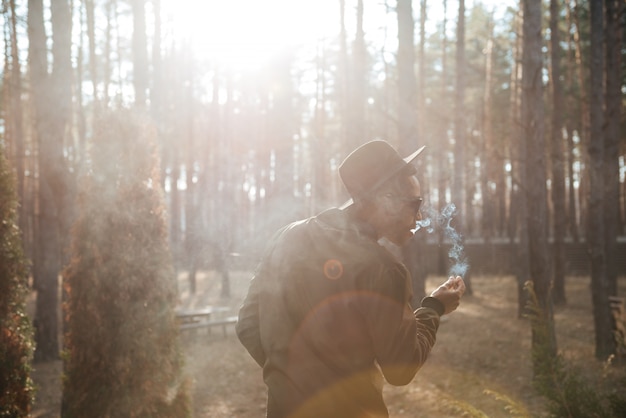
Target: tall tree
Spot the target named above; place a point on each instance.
(91, 35)
(420, 116)
(343, 77)
(535, 176)
(140, 53)
(156, 92)
(572, 219)
(612, 137)
(442, 146)
(489, 154)
(358, 83)
(556, 156)
(61, 121)
(123, 357)
(584, 129)
(16, 345)
(459, 183)
(407, 88)
(517, 196)
(50, 101)
(596, 225)
(410, 103)
(15, 118)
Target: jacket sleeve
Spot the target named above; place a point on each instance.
(402, 339)
(247, 327)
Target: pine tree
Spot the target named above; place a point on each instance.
(122, 353)
(16, 336)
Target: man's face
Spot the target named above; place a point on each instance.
(402, 212)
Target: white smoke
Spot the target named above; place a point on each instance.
(433, 220)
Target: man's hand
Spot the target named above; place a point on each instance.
(449, 293)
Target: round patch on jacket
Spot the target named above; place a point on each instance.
(333, 269)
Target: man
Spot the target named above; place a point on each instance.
(327, 315)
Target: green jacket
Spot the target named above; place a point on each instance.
(327, 316)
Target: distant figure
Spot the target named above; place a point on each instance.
(327, 315)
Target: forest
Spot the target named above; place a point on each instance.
(141, 139)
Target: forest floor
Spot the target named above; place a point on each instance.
(481, 347)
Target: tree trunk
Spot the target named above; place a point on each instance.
(343, 77)
(518, 218)
(612, 141)
(156, 92)
(458, 186)
(459, 182)
(572, 218)
(489, 154)
(358, 84)
(535, 178)
(52, 98)
(556, 156)
(140, 53)
(420, 109)
(443, 145)
(108, 41)
(584, 115)
(81, 123)
(16, 118)
(412, 253)
(605, 344)
(407, 88)
(93, 62)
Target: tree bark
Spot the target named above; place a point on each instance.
(108, 40)
(489, 155)
(52, 99)
(420, 109)
(612, 139)
(407, 87)
(93, 62)
(343, 77)
(572, 218)
(518, 198)
(535, 176)
(140, 53)
(358, 84)
(443, 145)
(556, 157)
(16, 119)
(584, 114)
(597, 233)
(459, 181)
(458, 186)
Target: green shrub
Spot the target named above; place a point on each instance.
(122, 354)
(16, 343)
(568, 393)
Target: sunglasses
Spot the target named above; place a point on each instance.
(415, 203)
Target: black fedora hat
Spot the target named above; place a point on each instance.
(369, 166)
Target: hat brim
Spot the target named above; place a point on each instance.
(407, 160)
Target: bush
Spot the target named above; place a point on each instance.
(16, 343)
(568, 393)
(122, 354)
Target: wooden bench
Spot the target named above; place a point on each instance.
(193, 319)
(221, 322)
(187, 316)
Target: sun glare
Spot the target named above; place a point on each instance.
(247, 33)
